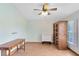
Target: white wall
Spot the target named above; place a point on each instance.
(35, 29)
(11, 21)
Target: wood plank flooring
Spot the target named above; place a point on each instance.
(38, 49)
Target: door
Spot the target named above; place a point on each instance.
(63, 35)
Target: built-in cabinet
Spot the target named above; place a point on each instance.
(60, 34)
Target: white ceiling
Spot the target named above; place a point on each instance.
(63, 10)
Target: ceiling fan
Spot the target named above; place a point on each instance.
(45, 9)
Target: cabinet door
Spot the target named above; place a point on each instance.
(63, 34)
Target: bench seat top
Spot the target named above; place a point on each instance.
(11, 44)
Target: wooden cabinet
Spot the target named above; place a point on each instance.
(60, 34)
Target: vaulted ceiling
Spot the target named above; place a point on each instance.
(63, 10)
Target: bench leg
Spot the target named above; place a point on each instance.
(24, 46)
(9, 53)
(17, 48)
(3, 53)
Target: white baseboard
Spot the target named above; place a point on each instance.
(33, 41)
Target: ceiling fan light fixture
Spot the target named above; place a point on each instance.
(45, 10)
(44, 13)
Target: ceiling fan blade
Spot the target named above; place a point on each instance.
(40, 13)
(53, 9)
(48, 13)
(37, 9)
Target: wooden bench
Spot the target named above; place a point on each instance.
(7, 47)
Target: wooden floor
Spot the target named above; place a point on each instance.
(38, 49)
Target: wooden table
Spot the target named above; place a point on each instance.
(19, 43)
